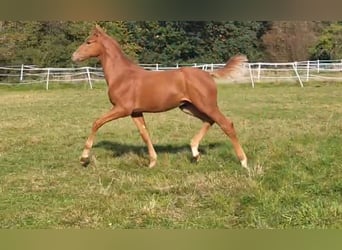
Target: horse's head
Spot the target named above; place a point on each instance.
(92, 47)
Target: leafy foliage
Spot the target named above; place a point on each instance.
(170, 42)
(329, 45)
(51, 43)
(290, 40)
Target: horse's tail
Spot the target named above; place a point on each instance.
(233, 68)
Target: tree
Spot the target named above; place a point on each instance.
(290, 40)
(38, 43)
(189, 41)
(329, 44)
(51, 43)
(226, 39)
(16, 40)
(161, 41)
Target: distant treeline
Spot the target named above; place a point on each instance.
(51, 43)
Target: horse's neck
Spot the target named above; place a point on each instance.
(115, 63)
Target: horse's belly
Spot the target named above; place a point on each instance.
(160, 100)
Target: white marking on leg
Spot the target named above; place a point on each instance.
(244, 163)
(152, 163)
(194, 150)
(85, 153)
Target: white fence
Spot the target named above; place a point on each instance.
(29, 74)
(257, 72)
(304, 71)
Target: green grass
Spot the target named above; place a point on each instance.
(291, 135)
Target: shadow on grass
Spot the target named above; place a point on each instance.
(119, 149)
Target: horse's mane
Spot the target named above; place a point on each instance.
(107, 40)
(112, 45)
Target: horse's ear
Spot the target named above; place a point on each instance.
(98, 30)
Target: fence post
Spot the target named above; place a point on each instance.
(295, 69)
(251, 74)
(89, 79)
(259, 70)
(47, 79)
(22, 73)
(157, 67)
(307, 71)
(318, 66)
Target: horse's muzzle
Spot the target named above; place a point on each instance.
(75, 57)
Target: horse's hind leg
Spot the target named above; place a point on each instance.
(195, 141)
(141, 125)
(228, 128)
(190, 109)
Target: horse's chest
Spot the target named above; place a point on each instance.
(120, 96)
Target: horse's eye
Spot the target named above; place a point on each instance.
(88, 42)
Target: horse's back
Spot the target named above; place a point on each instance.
(199, 83)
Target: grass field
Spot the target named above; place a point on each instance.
(292, 136)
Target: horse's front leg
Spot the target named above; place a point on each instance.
(114, 113)
(141, 125)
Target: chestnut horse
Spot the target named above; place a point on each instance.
(133, 90)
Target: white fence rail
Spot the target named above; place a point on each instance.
(30, 74)
(303, 71)
(300, 72)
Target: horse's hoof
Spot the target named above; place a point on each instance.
(196, 158)
(244, 163)
(85, 161)
(152, 164)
